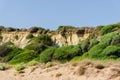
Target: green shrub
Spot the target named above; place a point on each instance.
(16, 37)
(29, 36)
(33, 29)
(23, 57)
(92, 43)
(106, 39)
(44, 39)
(4, 50)
(32, 63)
(116, 40)
(36, 29)
(96, 50)
(9, 43)
(47, 55)
(48, 64)
(66, 53)
(19, 67)
(37, 47)
(107, 29)
(110, 52)
(15, 51)
(10, 29)
(84, 45)
(2, 67)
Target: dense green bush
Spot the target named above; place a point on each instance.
(44, 39)
(14, 51)
(2, 67)
(110, 28)
(33, 29)
(23, 57)
(116, 40)
(10, 29)
(106, 39)
(92, 43)
(29, 36)
(4, 50)
(96, 50)
(9, 43)
(66, 52)
(36, 47)
(47, 55)
(84, 45)
(36, 29)
(107, 29)
(110, 52)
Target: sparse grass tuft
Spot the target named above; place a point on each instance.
(32, 63)
(2, 67)
(19, 67)
(48, 64)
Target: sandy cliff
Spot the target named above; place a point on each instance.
(60, 38)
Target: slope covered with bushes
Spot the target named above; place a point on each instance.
(103, 43)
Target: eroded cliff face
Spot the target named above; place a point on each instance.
(59, 38)
(18, 38)
(71, 37)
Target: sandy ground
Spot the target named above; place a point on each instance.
(67, 71)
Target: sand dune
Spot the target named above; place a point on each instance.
(67, 71)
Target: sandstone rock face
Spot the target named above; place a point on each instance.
(71, 37)
(18, 38)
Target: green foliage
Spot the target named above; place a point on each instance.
(109, 28)
(32, 63)
(10, 29)
(92, 43)
(36, 47)
(64, 28)
(48, 64)
(84, 45)
(36, 29)
(29, 36)
(14, 51)
(16, 37)
(2, 67)
(33, 29)
(4, 50)
(19, 67)
(43, 39)
(66, 53)
(96, 50)
(106, 39)
(116, 40)
(9, 43)
(23, 57)
(110, 52)
(47, 55)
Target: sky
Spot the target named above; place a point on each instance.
(50, 14)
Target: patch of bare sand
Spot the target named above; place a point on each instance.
(68, 71)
